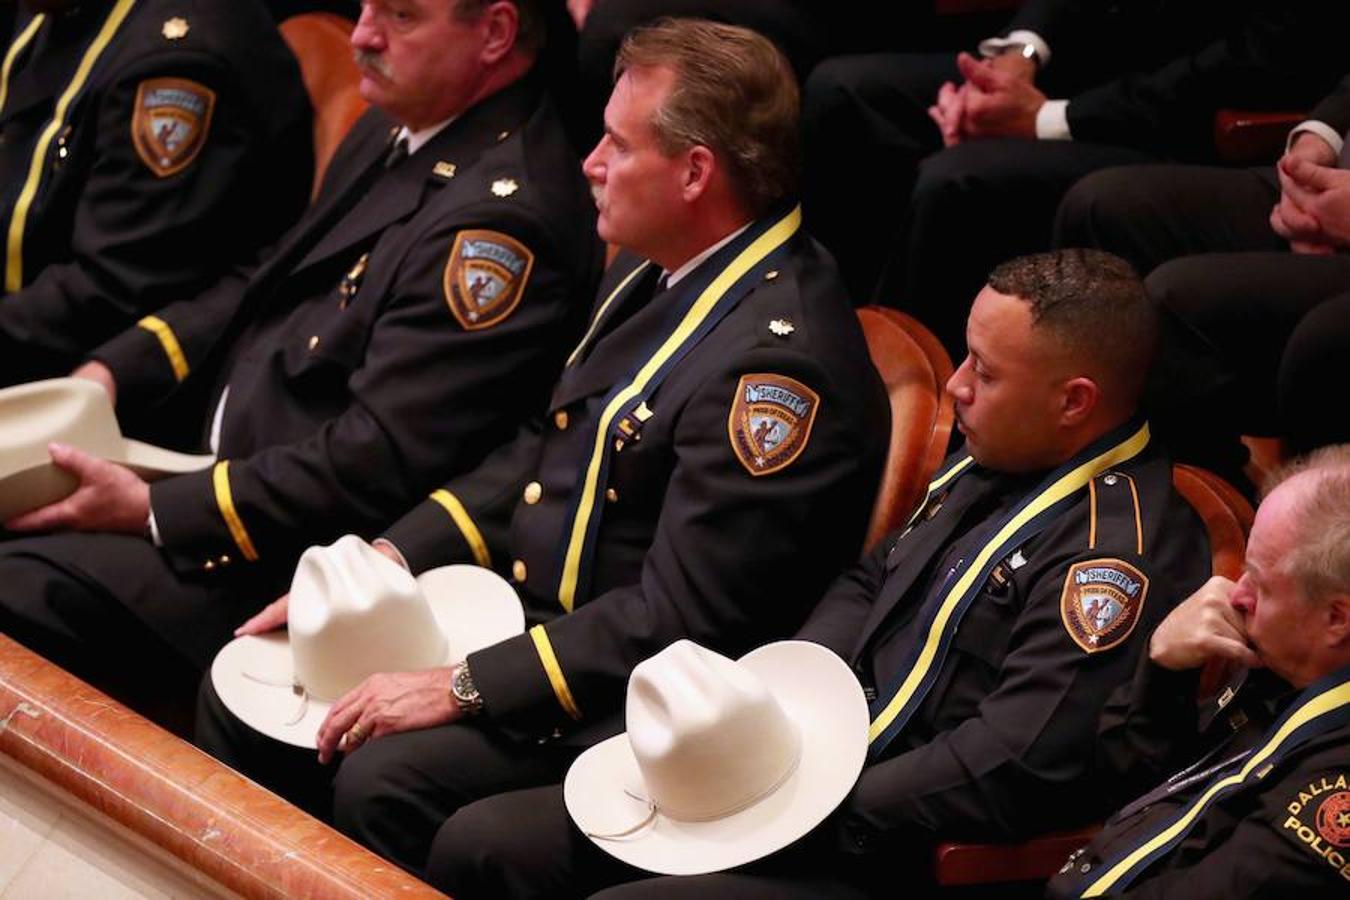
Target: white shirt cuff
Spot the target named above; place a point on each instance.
(1052, 121)
(382, 542)
(1322, 130)
(991, 46)
(154, 531)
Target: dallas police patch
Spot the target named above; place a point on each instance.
(1319, 819)
(1101, 602)
(485, 277)
(170, 123)
(770, 421)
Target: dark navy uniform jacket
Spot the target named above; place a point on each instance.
(408, 324)
(179, 152)
(1001, 746)
(1287, 835)
(696, 538)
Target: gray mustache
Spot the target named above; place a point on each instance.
(372, 61)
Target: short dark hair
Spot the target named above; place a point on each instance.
(1093, 304)
(530, 33)
(734, 93)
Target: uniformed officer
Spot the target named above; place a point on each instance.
(1263, 808)
(406, 326)
(147, 147)
(706, 463)
(987, 634)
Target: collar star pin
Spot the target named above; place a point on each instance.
(175, 29)
(782, 327)
(505, 187)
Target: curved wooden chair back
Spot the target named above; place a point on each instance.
(915, 369)
(322, 44)
(1227, 519)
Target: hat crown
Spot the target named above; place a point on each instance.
(74, 411)
(355, 612)
(708, 736)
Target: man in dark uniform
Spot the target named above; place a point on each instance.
(1073, 86)
(987, 634)
(1252, 270)
(353, 372)
(146, 149)
(649, 503)
(1263, 809)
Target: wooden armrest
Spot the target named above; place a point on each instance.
(1243, 136)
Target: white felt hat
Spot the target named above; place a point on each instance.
(353, 612)
(72, 411)
(723, 762)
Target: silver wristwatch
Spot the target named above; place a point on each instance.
(464, 690)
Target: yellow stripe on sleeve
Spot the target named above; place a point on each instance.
(554, 672)
(15, 49)
(172, 349)
(464, 523)
(220, 477)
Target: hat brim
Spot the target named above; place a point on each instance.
(252, 675)
(151, 462)
(818, 693)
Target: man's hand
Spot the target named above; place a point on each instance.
(386, 704)
(273, 616)
(1289, 219)
(109, 498)
(1001, 102)
(1324, 194)
(101, 375)
(1205, 626)
(948, 113)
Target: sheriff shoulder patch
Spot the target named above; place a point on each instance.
(1101, 602)
(1319, 820)
(170, 123)
(485, 277)
(770, 421)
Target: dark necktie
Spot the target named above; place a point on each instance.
(397, 153)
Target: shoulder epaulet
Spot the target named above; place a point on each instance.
(1115, 521)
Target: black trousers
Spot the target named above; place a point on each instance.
(392, 793)
(1254, 335)
(523, 845)
(109, 609)
(914, 225)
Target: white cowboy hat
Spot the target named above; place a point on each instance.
(73, 411)
(723, 762)
(354, 612)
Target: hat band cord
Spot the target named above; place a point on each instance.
(653, 810)
(296, 688)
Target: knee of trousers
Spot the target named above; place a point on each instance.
(477, 848)
(1311, 374)
(1185, 287)
(368, 791)
(956, 179)
(1097, 205)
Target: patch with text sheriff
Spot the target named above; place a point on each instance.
(770, 421)
(170, 123)
(1101, 602)
(1319, 820)
(485, 277)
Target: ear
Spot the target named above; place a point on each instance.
(1337, 620)
(1079, 400)
(698, 173)
(500, 23)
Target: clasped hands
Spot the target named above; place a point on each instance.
(1313, 213)
(997, 99)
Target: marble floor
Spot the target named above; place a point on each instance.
(53, 848)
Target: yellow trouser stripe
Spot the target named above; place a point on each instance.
(14, 258)
(172, 349)
(554, 672)
(1326, 702)
(600, 313)
(1066, 485)
(14, 50)
(707, 301)
(460, 516)
(220, 477)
